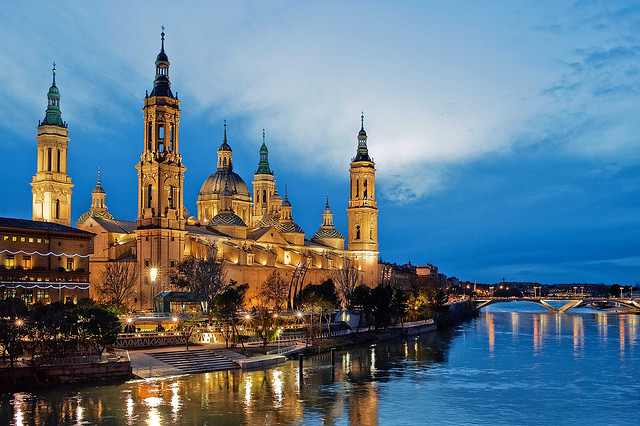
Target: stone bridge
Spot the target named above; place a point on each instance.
(570, 302)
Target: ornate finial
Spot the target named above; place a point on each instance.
(285, 192)
(262, 135)
(54, 73)
(327, 200)
(98, 175)
(362, 121)
(162, 36)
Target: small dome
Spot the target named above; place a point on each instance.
(98, 189)
(276, 196)
(267, 221)
(162, 57)
(289, 227)
(216, 182)
(226, 218)
(225, 147)
(327, 233)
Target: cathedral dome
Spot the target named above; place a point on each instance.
(327, 233)
(216, 183)
(226, 218)
(289, 227)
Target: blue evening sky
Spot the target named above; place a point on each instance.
(506, 135)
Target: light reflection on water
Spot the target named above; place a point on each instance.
(512, 365)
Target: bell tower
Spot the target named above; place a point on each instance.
(263, 185)
(51, 186)
(362, 212)
(161, 219)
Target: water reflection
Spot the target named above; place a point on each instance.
(405, 381)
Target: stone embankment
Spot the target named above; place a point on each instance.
(27, 376)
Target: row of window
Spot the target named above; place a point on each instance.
(10, 262)
(28, 298)
(25, 239)
(173, 191)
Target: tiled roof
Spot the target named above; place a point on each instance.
(8, 222)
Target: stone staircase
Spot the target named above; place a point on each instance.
(196, 361)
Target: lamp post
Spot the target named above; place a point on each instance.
(153, 274)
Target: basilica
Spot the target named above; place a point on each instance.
(251, 229)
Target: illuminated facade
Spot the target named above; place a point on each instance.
(51, 186)
(253, 232)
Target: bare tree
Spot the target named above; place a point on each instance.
(206, 277)
(345, 281)
(274, 289)
(118, 282)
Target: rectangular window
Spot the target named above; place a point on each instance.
(27, 297)
(14, 238)
(42, 296)
(146, 263)
(70, 264)
(6, 237)
(23, 239)
(26, 262)
(9, 261)
(173, 263)
(39, 240)
(46, 241)
(30, 239)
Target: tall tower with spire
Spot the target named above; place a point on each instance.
(51, 186)
(362, 212)
(263, 185)
(160, 221)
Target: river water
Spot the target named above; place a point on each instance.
(515, 364)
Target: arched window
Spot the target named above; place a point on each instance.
(224, 161)
(172, 192)
(57, 209)
(49, 159)
(160, 137)
(171, 137)
(357, 188)
(364, 189)
(264, 195)
(58, 162)
(149, 195)
(358, 232)
(371, 233)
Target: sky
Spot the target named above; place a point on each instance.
(506, 135)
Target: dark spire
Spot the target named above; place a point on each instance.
(53, 115)
(162, 85)
(286, 202)
(263, 165)
(225, 146)
(363, 152)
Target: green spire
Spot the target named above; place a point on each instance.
(53, 115)
(263, 165)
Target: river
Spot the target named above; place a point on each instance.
(514, 364)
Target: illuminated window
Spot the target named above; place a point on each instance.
(39, 240)
(6, 237)
(9, 261)
(70, 264)
(26, 262)
(14, 239)
(46, 241)
(30, 239)
(42, 296)
(27, 297)
(23, 239)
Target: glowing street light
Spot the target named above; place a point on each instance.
(153, 274)
(19, 322)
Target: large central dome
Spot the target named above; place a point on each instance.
(215, 184)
